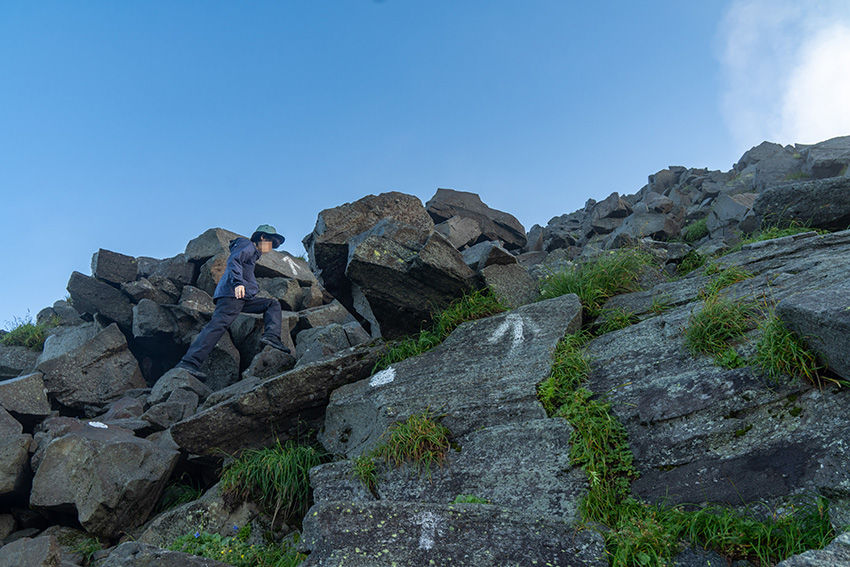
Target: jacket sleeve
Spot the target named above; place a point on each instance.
(236, 265)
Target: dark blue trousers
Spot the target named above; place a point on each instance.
(226, 310)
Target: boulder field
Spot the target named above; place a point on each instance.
(96, 426)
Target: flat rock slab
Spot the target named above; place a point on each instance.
(25, 396)
(133, 554)
(38, 552)
(255, 416)
(485, 374)
(465, 535)
(524, 466)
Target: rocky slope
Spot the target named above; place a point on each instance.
(95, 427)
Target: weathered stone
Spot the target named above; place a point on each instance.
(150, 320)
(461, 232)
(247, 331)
(9, 425)
(37, 552)
(655, 225)
(823, 203)
(135, 554)
(211, 271)
(486, 254)
(180, 405)
(144, 289)
(317, 343)
(494, 224)
(14, 461)
(777, 168)
(506, 355)
(827, 159)
(327, 245)
(15, 360)
(664, 179)
(92, 296)
(177, 379)
(113, 267)
(176, 269)
(286, 290)
(275, 408)
(323, 316)
(67, 340)
(60, 313)
(269, 362)
(836, 554)
(95, 374)
(466, 535)
(7, 525)
(195, 299)
(404, 284)
(511, 283)
(734, 211)
(563, 231)
(127, 407)
(276, 264)
(222, 365)
(25, 396)
(822, 318)
(110, 477)
(212, 242)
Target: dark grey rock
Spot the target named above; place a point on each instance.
(327, 245)
(756, 154)
(466, 535)
(655, 225)
(67, 339)
(60, 313)
(276, 264)
(563, 231)
(151, 320)
(180, 405)
(144, 289)
(274, 408)
(111, 478)
(96, 373)
(286, 290)
(822, 203)
(195, 299)
(222, 366)
(486, 254)
(176, 269)
(25, 396)
(732, 211)
(113, 267)
(211, 271)
(35, 552)
(7, 525)
(135, 554)
(822, 318)
(656, 203)
(511, 283)
(15, 360)
(494, 225)
(92, 296)
(318, 343)
(212, 242)
(14, 462)
(827, 159)
(461, 232)
(777, 168)
(177, 379)
(268, 363)
(506, 355)
(323, 316)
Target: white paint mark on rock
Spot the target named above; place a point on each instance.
(517, 333)
(98, 425)
(432, 527)
(292, 264)
(383, 377)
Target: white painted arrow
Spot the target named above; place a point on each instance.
(292, 264)
(517, 333)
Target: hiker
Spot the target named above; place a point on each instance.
(236, 293)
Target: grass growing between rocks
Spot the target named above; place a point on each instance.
(235, 550)
(474, 305)
(420, 440)
(276, 478)
(719, 323)
(596, 281)
(25, 333)
(695, 230)
(641, 535)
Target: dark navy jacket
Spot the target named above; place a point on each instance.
(240, 270)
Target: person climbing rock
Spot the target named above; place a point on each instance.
(236, 293)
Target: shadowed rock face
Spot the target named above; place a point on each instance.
(492, 224)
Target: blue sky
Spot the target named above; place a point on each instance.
(136, 125)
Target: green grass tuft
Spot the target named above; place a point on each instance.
(275, 477)
(235, 550)
(695, 230)
(720, 322)
(724, 277)
(28, 334)
(780, 352)
(597, 280)
(472, 306)
(616, 319)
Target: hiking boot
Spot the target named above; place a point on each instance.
(192, 370)
(274, 342)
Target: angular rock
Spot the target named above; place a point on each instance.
(15, 360)
(486, 254)
(7, 525)
(60, 313)
(96, 373)
(494, 224)
(111, 478)
(284, 265)
(67, 340)
(506, 355)
(211, 271)
(827, 159)
(655, 225)
(222, 365)
(465, 535)
(778, 168)
(212, 242)
(563, 231)
(144, 289)
(14, 462)
(273, 408)
(92, 296)
(269, 362)
(194, 299)
(404, 284)
(286, 290)
(176, 269)
(511, 283)
(317, 343)
(152, 320)
(327, 245)
(323, 316)
(823, 203)
(177, 379)
(113, 267)
(25, 396)
(135, 554)
(821, 317)
(37, 552)
(180, 405)
(248, 329)
(461, 232)
(732, 211)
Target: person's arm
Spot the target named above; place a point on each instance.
(236, 263)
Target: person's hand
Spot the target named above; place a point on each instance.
(240, 291)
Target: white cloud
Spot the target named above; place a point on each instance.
(786, 70)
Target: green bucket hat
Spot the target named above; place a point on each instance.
(269, 231)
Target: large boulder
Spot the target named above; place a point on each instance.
(95, 297)
(15, 360)
(113, 267)
(827, 159)
(320, 342)
(37, 552)
(97, 372)
(732, 212)
(493, 224)
(822, 203)
(212, 242)
(274, 408)
(26, 397)
(14, 454)
(109, 477)
(401, 280)
(327, 245)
